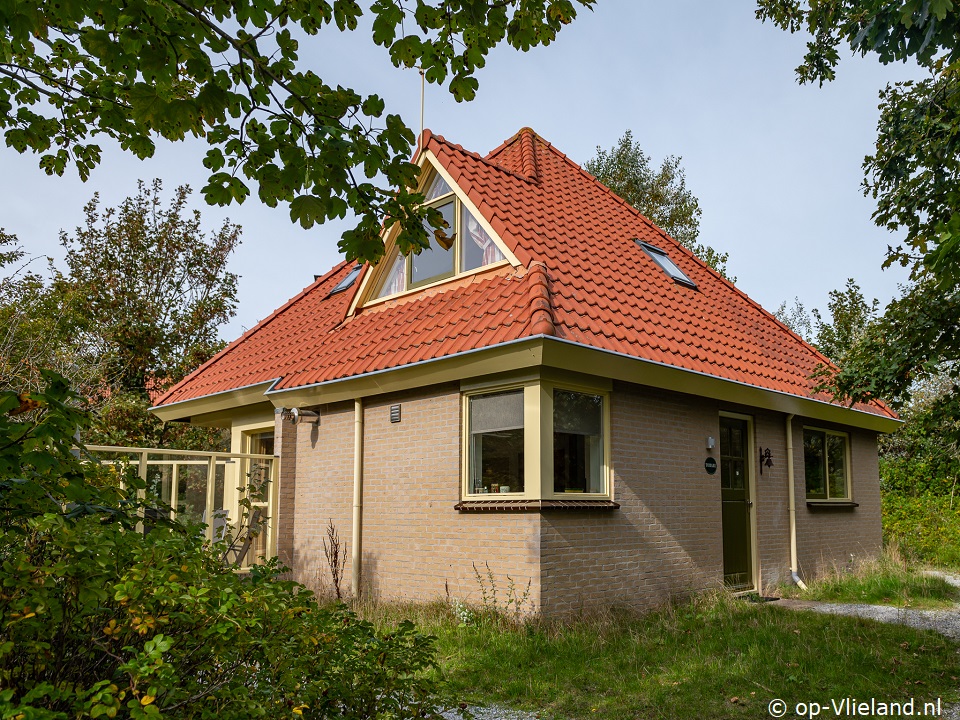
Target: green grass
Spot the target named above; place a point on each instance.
(887, 580)
(713, 657)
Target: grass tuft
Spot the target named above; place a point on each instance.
(886, 580)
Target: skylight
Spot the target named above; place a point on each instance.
(349, 280)
(668, 266)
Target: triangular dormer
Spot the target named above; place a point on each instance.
(469, 246)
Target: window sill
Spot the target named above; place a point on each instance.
(480, 506)
(832, 504)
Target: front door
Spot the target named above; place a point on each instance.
(736, 504)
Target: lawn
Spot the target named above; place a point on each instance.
(713, 657)
(887, 580)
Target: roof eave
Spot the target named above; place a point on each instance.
(183, 410)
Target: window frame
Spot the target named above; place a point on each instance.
(408, 260)
(538, 463)
(373, 296)
(827, 498)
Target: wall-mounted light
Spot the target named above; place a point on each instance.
(711, 443)
(298, 416)
(766, 458)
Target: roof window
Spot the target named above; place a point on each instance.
(349, 280)
(668, 266)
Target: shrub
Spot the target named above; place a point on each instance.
(926, 527)
(98, 620)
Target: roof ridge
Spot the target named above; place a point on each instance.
(255, 329)
(542, 321)
(485, 161)
(527, 137)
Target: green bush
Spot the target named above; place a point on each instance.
(925, 527)
(98, 620)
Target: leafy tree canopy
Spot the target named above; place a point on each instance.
(152, 286)
(230, 73)
(914, 175)
(659, 194)
(848, 314)
(138, 306)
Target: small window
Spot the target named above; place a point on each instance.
(668, 266)
(479, 249)
(438, 188)
(825, 465)
(577, 442)
(463, 245)
(349, 280)
(496, 443)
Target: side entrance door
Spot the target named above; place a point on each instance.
(736, 503)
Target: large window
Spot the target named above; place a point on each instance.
(462, 246)
(496, 443)
(826, 466)
(536, 440)
(577, 442)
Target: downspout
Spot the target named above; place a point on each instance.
(792, 506)
(356, 544)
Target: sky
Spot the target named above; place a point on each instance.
(775, 165)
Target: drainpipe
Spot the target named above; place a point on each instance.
(792, 506)
(357, 536)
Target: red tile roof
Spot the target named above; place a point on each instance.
(583, 279)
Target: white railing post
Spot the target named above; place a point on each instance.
(142, 492)
(211, 495)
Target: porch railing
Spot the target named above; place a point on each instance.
(207, 487)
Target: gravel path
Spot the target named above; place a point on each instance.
(945, 622)
(493, 712)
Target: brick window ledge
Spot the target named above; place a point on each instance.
(481, 506)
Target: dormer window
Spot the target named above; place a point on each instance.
(464, 245)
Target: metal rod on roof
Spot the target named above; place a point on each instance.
(422, 93)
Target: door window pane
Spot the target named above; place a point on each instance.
(496, 443)
(577, 442)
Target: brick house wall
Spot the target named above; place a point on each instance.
(664, 541)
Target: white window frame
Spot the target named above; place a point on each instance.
(846, 461)
(537, 437)
(373, 282)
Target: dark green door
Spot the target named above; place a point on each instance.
(736, 503)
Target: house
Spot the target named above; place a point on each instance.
(559, 390)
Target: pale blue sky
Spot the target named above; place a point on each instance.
(776, 166)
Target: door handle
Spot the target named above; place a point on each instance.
(749, 503)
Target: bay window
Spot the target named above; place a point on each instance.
(536, 440)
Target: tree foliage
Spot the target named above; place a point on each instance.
(833, 334)
(914, 175)
(98, 620)
(230, 73)
(153, 286)
(660, 194)
(137, 307)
